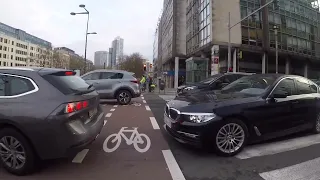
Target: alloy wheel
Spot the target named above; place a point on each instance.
(230, 138)
(12, 152)
(124, 97)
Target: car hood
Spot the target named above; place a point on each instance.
(200, 102)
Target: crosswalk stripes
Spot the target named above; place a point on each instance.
(278, 147)
(307, 170)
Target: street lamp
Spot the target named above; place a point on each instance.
(276, 38)
(85, 48)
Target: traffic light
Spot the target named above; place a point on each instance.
(239, 54)
(145, 67)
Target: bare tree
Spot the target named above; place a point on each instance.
(133, 63)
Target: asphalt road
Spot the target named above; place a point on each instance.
(141, 155)
(290, 158)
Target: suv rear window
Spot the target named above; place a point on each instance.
(67, 84)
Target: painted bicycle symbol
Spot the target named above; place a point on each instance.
(136, 139)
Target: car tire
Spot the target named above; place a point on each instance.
(316, 125)
(29, 164)
(239, 139)
(124, 94)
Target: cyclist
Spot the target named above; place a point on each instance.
(143, 83)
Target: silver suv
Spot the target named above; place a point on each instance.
(114, 84)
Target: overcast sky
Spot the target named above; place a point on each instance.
(134, 20)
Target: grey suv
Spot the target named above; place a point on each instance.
(45, 114)
(114, 84)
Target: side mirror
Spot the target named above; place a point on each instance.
(279, 94)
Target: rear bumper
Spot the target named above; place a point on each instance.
(60, 141)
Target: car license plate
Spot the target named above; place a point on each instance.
(167, 121)
(93, 112)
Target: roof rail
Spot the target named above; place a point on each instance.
(16, 68)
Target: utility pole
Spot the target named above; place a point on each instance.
(276, 38)
(230, 27)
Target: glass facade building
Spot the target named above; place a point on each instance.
(198, 24)
(297, 21)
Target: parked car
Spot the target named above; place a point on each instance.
(44, 114)
(215, 82)
(251, 109)
(114, 84)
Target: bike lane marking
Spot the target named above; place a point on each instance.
(108, 114)
(112, 109)
(144, 101)
(115, 106)
(173, 166)
(154, 123)
(142, 98)
(143, 166)
(148, 108)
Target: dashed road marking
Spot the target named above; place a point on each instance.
(80, 156)
(108, 114)
(115, 106)
(154, 123)
(112, 109)
(104, 122)
(173, 166)
(144, 101)
(148, 108)
(306, 170)
(142, 97)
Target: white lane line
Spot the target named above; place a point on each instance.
(173, 166)
(115, 106)
(154, 123)
(108, 114)
(112, 109)
(306, 170)
(148, 108)
(105, 122)
(144, 101)
(278, 147)
(80, 156)
(142, 97)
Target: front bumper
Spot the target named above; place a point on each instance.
(197, 135)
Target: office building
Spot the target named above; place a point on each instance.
(117, 51)
(101, 59)
(172, 38)
(253, 40)
(155, 54)
(18, 48)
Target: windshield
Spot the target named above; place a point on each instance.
(68, 84)
(210, 79)
(252, 85)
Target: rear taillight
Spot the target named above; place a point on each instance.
(76, 106)
(134, 81)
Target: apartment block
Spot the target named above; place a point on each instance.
(18, 48)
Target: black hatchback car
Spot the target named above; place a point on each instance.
(215, 82)
(251, 109)
(44, 114)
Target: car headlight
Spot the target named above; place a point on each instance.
(199, 117)
(190, 88)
